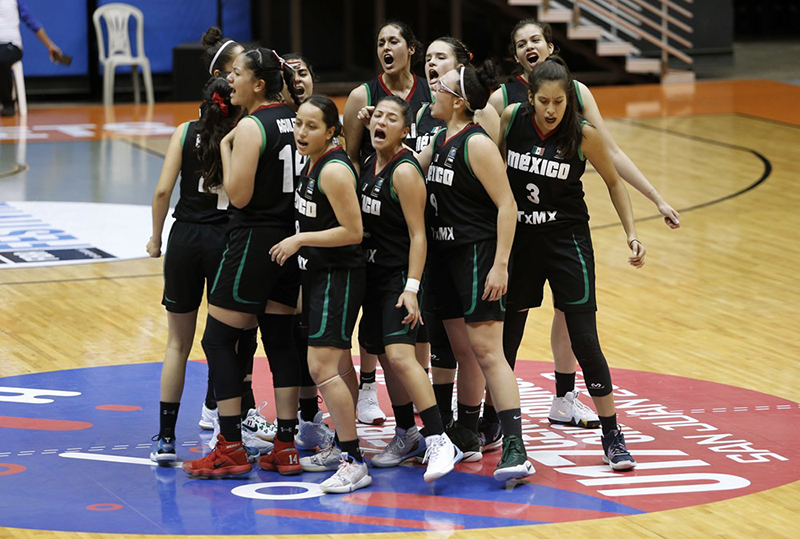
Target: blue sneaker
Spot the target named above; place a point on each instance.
(163, 452)
(615, 454)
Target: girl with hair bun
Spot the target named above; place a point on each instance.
(328, 233)
(195, 244)
(471, 216)
(220, 52)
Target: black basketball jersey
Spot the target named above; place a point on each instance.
(516, 91)
(273, 188)
(427, 127)
(386, 241)
(313, 212)
(459, 210)
(195, 205)
(418, 96)
(546, 187)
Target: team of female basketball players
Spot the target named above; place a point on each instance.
(450, 204)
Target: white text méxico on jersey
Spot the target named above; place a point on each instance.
(536, 165)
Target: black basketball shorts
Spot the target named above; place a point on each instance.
(381, 321)
(332, 298)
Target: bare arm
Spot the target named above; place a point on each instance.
(626, 168)
(505, 121)
(488, 167)
(338, 184)
(52, 48)
(424, 157)
(410, 188)
(353, 128)
(596, 152)
(240, 161)
(489, 119)
(166, 184)
(496, 100)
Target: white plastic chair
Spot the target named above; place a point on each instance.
(116, 17)
(19, 88)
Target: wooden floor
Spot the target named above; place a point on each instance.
(718, 299)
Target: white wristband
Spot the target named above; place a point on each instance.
(412, 285)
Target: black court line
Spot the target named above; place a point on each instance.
(765, 120)
(143, 148)
(82, 279)
(764, 175)
(17, 169)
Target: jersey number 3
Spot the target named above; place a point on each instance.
(533, 194)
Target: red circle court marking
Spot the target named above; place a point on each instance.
(11, 469)
(118, 407)
(104, 507)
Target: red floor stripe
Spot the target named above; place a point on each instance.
(31, 423)
(484, 508)
(360, 519)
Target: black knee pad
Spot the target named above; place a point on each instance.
(301, 346)
(442, 356)
(246, 349)
(513, 330)
(593, 363)
(219, 343)
(281, 353)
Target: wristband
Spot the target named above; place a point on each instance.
(630, 243)
(412, 285)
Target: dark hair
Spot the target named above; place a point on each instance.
(212, 41)
(215, 122)
(460, 51)
(408, 34)
(294, 56)
(479, 83)
(547, 33)
(268, 66)
(330, 114)
(568, 134)
(405, 108)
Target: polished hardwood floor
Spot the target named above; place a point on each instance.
(718, 299)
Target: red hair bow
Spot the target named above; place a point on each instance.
(216, 98)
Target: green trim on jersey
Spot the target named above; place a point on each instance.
(511, 121)
(578, 93)
(466, 152)
(392, 192)
(369, 94)
(348, 167)
(183, 135)
(422, 110)
(406, 327)
(344, 309)
(474, 280)
(580, 146)
(263, 134)
(585, 277)
(239, 272)
(505, 94)
(324, 323)
(219, 270)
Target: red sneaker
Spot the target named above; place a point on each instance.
(283, 458)
(228, 459)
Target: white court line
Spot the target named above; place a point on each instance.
(108, 458)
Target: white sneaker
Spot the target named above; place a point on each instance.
(351, 475)
(207, 418)
(323, 461)
(442, 455)
(368, 411)
(311, 434)
(254, 445)
(259, 425)
(568, 410)
(405, 444)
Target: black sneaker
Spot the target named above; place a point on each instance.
(514, 463)
(490, 435)
(466, 440)
(615, 454)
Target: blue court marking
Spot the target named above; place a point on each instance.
(53, 492)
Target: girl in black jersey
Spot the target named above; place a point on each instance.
(328, 233)
(531, 44)
(393, 210)
(304, 77)
(398, 50)
(219, 53)
(195, 244)
(258, 163)
(546, 148)
(471, 214)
